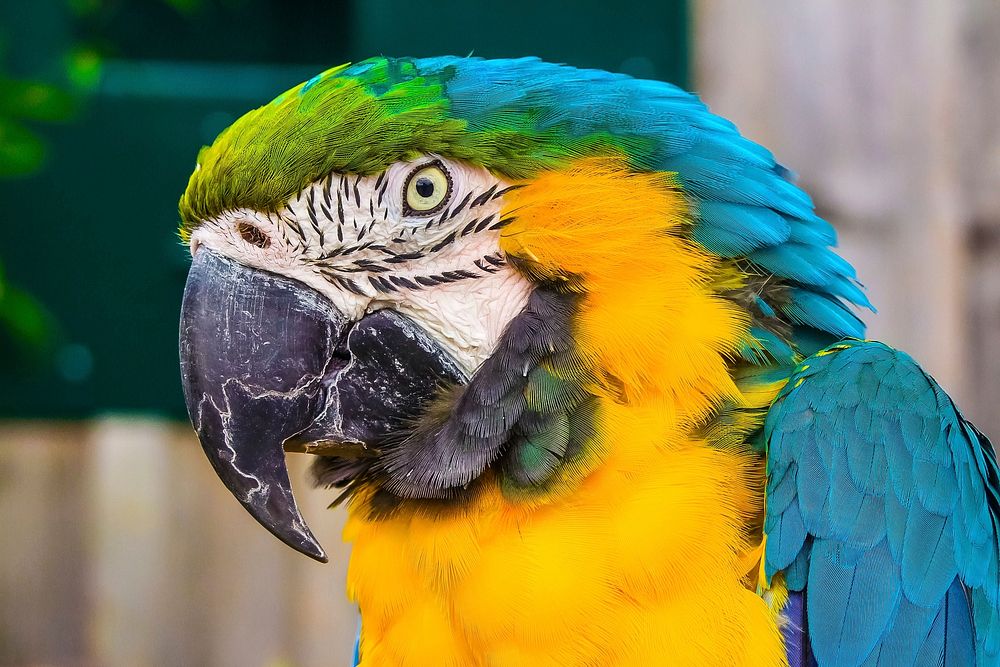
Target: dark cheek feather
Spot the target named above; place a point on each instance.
(515, 416)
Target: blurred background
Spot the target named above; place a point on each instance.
(118, 545)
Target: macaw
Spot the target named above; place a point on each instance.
(587, 373)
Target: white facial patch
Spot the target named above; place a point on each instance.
(390, 241)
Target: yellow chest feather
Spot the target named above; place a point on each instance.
(644, 563)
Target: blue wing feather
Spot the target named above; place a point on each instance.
(883, 506)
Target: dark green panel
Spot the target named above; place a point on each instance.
(261, 31)
(92, 235)
(645, 39)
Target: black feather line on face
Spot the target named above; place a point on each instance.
(461, 206)
(312, 216)
(326, 189)
(293, 225)
(381, 192)
(484, 197)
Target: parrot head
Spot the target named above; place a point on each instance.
(445, 275)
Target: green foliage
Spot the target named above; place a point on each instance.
(35, 100)
(25, 323)
(21, 151)
(83, 68)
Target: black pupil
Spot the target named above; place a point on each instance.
(424, 187)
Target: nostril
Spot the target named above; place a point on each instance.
(340, 358)
(253, 235)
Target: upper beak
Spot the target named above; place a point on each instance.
(268, 363)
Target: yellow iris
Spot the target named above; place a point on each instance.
(427, 189)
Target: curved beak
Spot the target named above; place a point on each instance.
(254, 348)
(268, 364)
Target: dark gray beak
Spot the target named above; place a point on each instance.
(267, 364)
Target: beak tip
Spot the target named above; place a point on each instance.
(319, 555)
(294, 534)
(308, 545)
(282, 519)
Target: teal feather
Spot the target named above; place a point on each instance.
(797, 574)
(773, 345)
(765, 308)
(860, 596)
(947, 631)
(787, 536)
(812, 230)
(736, 230)
(822, 312)
(782, 492)
(849, 290)
(894, 515)
(958, 635)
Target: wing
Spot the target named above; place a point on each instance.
(882, 510)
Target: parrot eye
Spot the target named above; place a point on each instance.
(427, 189)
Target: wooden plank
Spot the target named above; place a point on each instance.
(129, 499)
(43, 562)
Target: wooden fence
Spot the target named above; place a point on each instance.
(120, 547)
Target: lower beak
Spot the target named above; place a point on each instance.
(268, 364)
